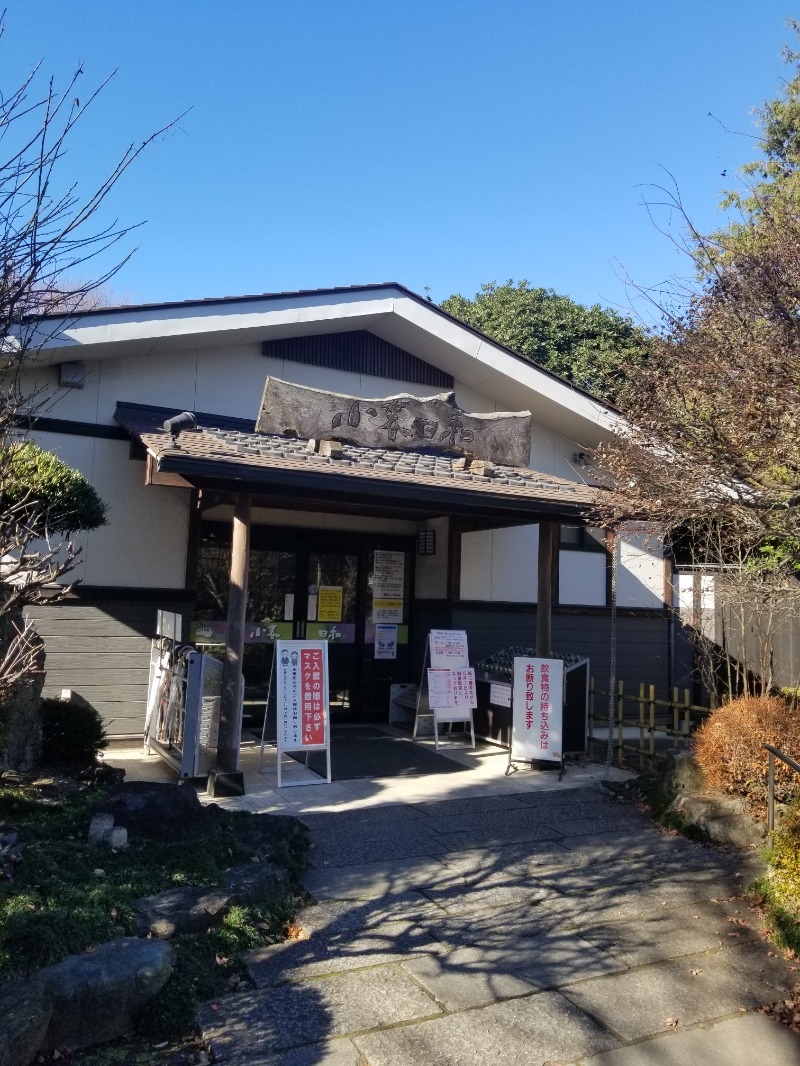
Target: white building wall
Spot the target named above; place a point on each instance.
(476, 565)
(143, 544)
(430, 577)
(496, 566)
(221, 381)
(582, 579)
(640, 574)
(500, 565)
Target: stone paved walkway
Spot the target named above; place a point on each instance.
(534, 928)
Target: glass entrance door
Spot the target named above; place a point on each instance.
(298, 588)
(332, 615)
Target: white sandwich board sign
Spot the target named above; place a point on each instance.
(302, 698)
(448, 683)
(538, 706)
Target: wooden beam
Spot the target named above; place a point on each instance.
(230, 702)
(548, 560)
(153, 476)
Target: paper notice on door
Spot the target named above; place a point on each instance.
(330, 603)
(312, 609)
(385, 642)
(449, 649)
(387, 611)
(288, 607)
(388, 574)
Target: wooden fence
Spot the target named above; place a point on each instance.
(641, 725)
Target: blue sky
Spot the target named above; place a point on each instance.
(439, 144)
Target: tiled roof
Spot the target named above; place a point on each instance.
(229, 448)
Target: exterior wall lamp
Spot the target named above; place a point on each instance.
(426, 542)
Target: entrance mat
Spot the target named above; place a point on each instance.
(362, 751)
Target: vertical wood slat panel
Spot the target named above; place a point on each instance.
(359, 352)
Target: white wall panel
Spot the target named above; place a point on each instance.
(582, 578)
(683, 593)
(543, 452)
(515, 564)
(640, 575)
(144, 543)
(468, 399)
(77, 405)
(552, 454)
(476, 565)
(166, 381)
(79, 453)
(230, 381)
(500, 565)
(431, 570)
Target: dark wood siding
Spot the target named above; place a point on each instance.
(102, 652)
(642, 640)
(359, 352)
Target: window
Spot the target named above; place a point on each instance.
(582, 539)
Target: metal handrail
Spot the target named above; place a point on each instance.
(773, 752)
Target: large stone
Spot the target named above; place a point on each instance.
(99, 828)
(738, 1041)
(157, 811)
(377, 879)
(193, 910)
(680, 774)
(472, 976)
(529, 1031)
(25, 1012)
(246, 1029)
(85, 1000)
(258, 883)
(693, 989)
(725, 818)
(181, 910)
(96, 996)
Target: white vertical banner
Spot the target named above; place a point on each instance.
(302, 697)
(538, 707)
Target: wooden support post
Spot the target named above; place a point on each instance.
(548, 558)
(227, 780)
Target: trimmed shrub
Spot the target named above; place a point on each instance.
(72, 733)
(67, 500)
(729, 746)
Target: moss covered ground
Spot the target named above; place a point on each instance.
(67, 896)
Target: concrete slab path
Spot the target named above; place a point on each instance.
(532, 928)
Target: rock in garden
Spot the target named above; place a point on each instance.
(14, 778)
(258, 882)
(156, 811)
(680, 774)
(96, 996)
(25, 1013)
(181, 910)
(99, 828)
(725, 818)
(103, 776)
(117, 839)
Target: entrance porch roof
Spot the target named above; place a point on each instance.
(225, 455)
